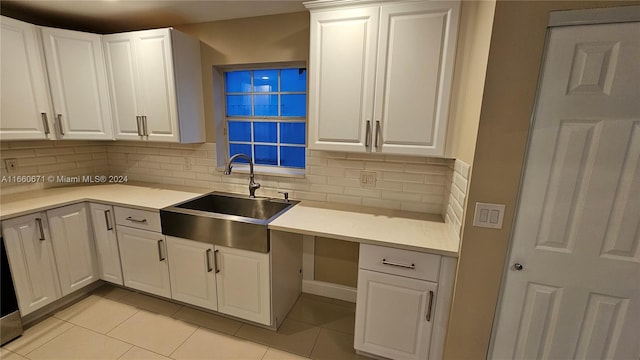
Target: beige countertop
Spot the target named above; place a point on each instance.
(412, 231)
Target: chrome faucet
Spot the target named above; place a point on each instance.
(253, 186)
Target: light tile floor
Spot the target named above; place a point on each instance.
(114, 323)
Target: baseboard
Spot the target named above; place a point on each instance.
(330, 290)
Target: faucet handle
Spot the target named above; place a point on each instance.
(286, 195)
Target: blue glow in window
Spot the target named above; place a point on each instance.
(292, 133)
(240, 148)
(239, 131)
(238, 105)
(293, 80)
(238, 81)
(265, 80)
(265, 105)
(265, 132)
(292, 156)
(266, 155)
(293, 105)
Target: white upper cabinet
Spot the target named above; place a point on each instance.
(155, 82)
(25, 110)
(78, 83)
(380, 76)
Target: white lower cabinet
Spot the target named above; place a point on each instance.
(32, 262)
(394, 317)
(144, 260)
(243, 283)
(192, 272)
(104, 234)
(73, 246)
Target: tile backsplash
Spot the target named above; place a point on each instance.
(457, 193)
(401, 182)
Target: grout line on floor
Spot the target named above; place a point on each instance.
(185, 340)
(50, 340)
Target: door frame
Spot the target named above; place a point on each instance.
(613, 15)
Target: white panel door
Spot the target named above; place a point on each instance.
(73, 246)
(106, 242)
(191, 271)
(77, 75)
(25, 111)
(416, 54)
(33, 265)
(394, 317)
(342, 64)
(157, 84)
(144, 260)
(120, 60)
(576, 236)
(243, 282)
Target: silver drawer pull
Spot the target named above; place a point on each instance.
(391, 263)
(208, 255)
(430, 305)
(39, 222)
(160, 248)
(142, 221)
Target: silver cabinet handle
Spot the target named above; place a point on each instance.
(367, 134)
(144, 125)
(47, 131)
(208, 255)
(107, 219)
(377, 144)
(391, 263)
(430, 305)
(215, 261)
(59, 118)
(141, 221)
(160, 254)
(39, 222)
(138, 121)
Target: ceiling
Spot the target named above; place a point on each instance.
(104, 16)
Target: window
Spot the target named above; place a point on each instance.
(266, 112)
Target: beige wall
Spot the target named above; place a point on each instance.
(336, 261)
(514, 61)
(474, 36)
(274, 38)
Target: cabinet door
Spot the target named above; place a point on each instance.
(33, 266)
(157, 86)
(76, 69)
(73, 246)
(120, 59)
(24, 108)
(106, 242)
(243, 284)
(144, 260)
(394, 315)
(191, 271)
(414, 73)
(342, 64)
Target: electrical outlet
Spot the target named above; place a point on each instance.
(488, 215)
(187, 164)
(11, 165)
(368, 179)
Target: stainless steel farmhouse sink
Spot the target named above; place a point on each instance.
(224, 219)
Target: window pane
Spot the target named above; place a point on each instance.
(266, 155)
(292, 133)
(240, 148)
(292, 156)
(293, 80)
(265, 132)
(265, 105)
(239, 131)
(294, 105)
(265, 80)
(238, 105)
(238, 81)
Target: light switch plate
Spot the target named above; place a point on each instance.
(488, 215)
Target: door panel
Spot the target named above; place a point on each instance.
(577, 227)
(78, 84)
(341, 88)
(107, 253)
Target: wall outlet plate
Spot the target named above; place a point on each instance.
(488, 215)
(11, 165)
(368, 179)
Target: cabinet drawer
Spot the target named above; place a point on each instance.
(407, 263)
(140, 219)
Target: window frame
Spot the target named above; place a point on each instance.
(278, 119)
